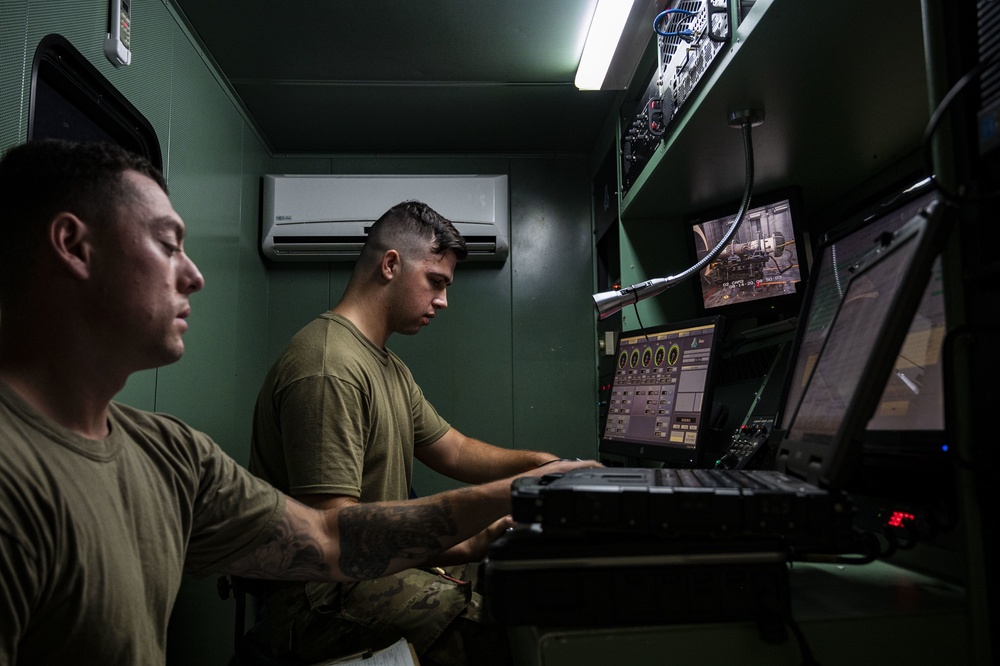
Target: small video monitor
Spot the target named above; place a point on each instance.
(661, 395)
(759, 271)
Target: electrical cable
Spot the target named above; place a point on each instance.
(687, 32)
(740, 214)
(943, 106)
(800, 638)
(659, 17)
(635, 293)
(639, 320)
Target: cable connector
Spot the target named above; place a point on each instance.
(753, 116)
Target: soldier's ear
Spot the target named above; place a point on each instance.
(390, 264)
(69, 239)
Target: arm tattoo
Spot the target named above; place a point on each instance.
(290, 553)
(371, 536)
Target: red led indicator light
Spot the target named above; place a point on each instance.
(900, 519)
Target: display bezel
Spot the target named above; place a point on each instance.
(704, 230)
(640, 452)
(899, 204)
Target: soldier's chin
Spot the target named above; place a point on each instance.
(173, 354)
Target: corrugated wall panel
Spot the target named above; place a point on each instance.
(14, 60)
(147, 81)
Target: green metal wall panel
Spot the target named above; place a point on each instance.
(297, 293)
(554, 339)
(147, 81)
(140, 390)
(205, 184)
(13, 54)
(250, 335)
(652, 249)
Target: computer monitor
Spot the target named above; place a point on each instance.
(905, 471)
(910, 415)
(661, 395)
(758, 273)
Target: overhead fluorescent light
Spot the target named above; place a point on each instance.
(602, 41)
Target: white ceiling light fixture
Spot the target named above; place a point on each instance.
(602, 40)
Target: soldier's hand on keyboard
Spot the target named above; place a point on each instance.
(561, 466)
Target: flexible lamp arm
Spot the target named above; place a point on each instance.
(610, 302)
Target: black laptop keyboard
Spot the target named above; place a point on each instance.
(722, 478)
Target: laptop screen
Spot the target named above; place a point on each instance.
(660, 398)
(849, 345)
(913, 399)
(847, 376)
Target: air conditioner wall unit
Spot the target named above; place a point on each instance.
(326, 217)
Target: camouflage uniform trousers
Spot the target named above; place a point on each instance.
(441, 614)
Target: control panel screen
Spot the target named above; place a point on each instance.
(661, 392)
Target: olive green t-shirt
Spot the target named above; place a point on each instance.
(338, 415)
(95, 535)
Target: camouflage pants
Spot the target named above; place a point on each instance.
(441, 615)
